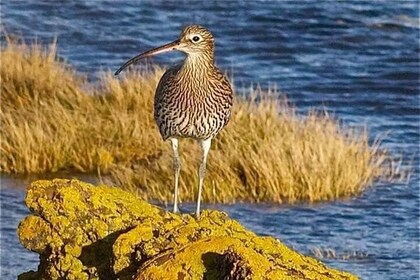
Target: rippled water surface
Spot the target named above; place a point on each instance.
(360, 60)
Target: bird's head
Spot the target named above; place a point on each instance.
(194, 40)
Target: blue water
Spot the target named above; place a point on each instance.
(359, 60)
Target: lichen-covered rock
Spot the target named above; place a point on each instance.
(83, 231)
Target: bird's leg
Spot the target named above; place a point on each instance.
(205, 147)
(177, 168)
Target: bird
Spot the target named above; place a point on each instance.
(193, 99)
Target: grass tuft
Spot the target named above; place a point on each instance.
(52, 119)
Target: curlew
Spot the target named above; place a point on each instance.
(192, 100)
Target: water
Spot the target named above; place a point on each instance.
(360, 60)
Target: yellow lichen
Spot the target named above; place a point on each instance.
(83, 231)
(33, 232)
(124, 246)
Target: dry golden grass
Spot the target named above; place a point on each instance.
(52, 120)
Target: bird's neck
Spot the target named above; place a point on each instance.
(198, 65)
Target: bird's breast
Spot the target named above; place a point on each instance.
(192, 111)
(192, 104)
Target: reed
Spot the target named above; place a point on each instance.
(52, 119)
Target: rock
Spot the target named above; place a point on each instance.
(83, 231)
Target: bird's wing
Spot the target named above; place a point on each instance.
(223, 91)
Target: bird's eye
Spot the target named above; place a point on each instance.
(196, 39)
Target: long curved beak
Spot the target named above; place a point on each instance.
(165, 48)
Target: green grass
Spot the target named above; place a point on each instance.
(52, 119)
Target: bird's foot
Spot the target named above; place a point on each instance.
(197, 215)
(176, 209)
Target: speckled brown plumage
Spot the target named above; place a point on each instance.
(197, 108)
(193, 99)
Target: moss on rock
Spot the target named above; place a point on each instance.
(83, 231)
